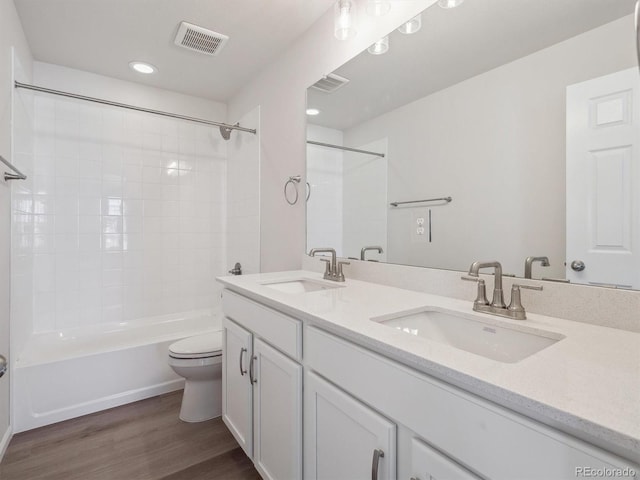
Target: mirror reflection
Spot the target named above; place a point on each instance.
(499, 130)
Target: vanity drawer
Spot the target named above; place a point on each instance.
(485, 438)
(277, 329)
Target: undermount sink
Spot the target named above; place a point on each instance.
(508, 345)
(300, 285)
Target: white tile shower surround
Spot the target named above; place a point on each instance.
(123, 215)
(607, 307)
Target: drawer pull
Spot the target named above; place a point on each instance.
(242, 370)
(377, 454)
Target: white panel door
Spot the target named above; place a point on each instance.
(603, 180)
(429, 464)
(237, 400)
(343, 438)
(277, 415)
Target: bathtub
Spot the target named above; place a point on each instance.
(65, 374)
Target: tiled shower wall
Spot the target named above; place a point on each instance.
(123, 215)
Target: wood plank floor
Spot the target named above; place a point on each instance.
(140, 441)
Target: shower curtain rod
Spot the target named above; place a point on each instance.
(349, 149)
(133, 107)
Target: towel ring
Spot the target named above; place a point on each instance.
(294, 180)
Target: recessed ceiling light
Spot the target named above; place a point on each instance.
(312, 111)
(412, 26)
(142, 67)
(380, 47)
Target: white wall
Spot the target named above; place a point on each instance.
(325, 205)
(243, 196)
(280, 90)
(496, 144)
(124, 213)
(11, 34)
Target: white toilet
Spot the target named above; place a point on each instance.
(199, 360)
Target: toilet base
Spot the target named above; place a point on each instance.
(201, 400)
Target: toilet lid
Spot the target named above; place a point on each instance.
(206, 345)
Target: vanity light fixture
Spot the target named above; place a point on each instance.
(450, 3)
(142, 67)
(380, 47)
(344, 19)
(312, 111)
(378, 8)
(412, 26)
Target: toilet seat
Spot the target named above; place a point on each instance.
(199, 346)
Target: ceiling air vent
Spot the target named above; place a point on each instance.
(200, 39)
(330, 83)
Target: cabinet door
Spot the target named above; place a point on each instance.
(237, 402)
(343, 437)
(277, 414)
(429, 464)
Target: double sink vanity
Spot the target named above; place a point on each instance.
(351, 379)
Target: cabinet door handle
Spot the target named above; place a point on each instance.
(251, 362)
(377, 454)
(242, 370)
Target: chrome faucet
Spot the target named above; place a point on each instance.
(497, 306)
(528, 263)
(365, 249)
(333, 270)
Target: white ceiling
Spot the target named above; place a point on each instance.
(454, 45)
(103, 36)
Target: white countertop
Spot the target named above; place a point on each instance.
(587, 384)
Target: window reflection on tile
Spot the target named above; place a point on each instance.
(111, 242)
(112, 206)
(111, 224)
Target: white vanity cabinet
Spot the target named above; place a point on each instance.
(262, 386)
(343, 437)
(457, 435)
(237, 391)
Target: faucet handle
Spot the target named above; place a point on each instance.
(327, 268)
(528, 287)
(481, 297)
(471, 279)
(339, 274)
(515, 308)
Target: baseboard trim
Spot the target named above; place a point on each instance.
(4, 443)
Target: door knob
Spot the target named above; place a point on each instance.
(3, 365)
(578, 265)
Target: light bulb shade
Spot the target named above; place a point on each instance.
(380, 47)
(378, 8)
(449, 3)
(344, 19)
(412, 26)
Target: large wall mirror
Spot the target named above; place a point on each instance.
(500, 130)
